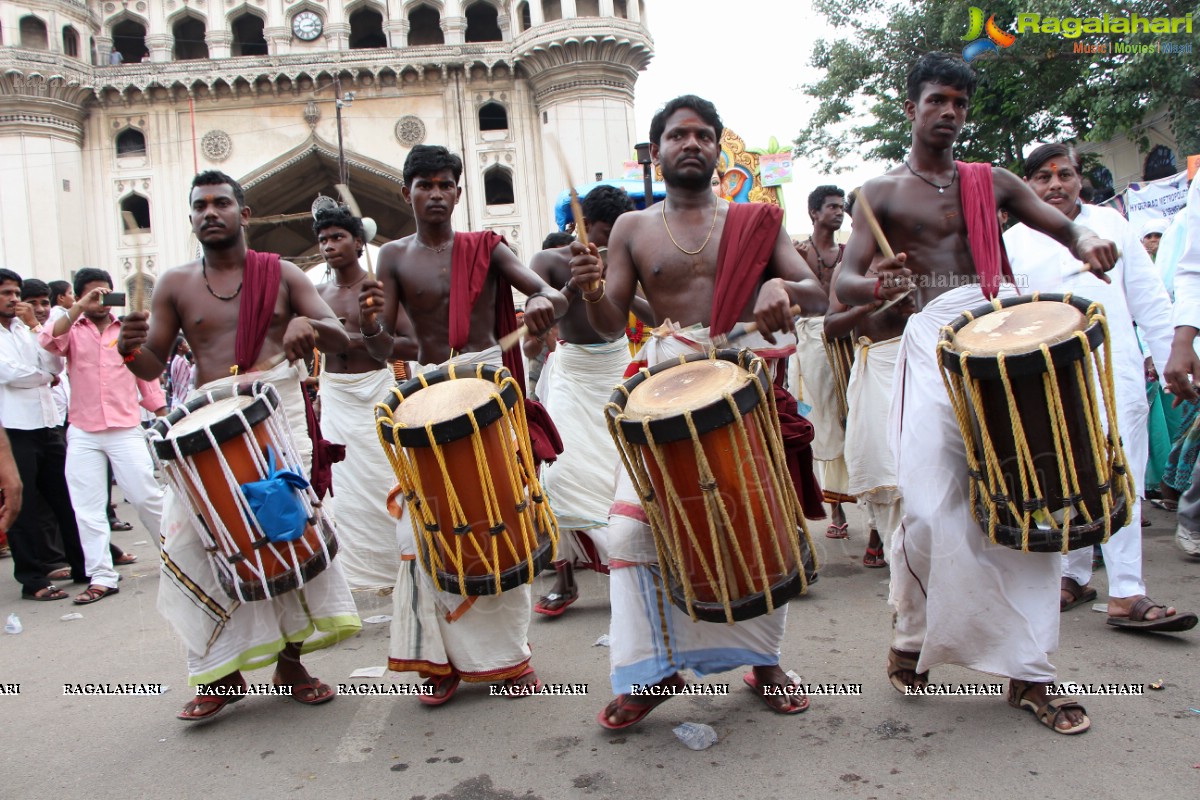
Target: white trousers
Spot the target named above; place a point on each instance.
(88, 456)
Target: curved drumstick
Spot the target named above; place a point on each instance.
(576, 207)
(860, 200)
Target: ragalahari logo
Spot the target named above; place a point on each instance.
(996, 37)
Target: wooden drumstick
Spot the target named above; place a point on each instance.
(576, 206)
(860, 200)
(509, 339)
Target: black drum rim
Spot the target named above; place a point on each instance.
(484, 585)
(450, 430)
(987, 367)
(266, 400)
(743, 608)
(711, 417)
(1043, 541)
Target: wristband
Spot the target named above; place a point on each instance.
(569, 288)
(378, 330)
(878, 286)
(132, 355)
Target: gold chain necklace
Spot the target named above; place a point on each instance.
(707, 239)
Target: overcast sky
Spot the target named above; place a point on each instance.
(756, 90)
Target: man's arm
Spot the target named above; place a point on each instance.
(544, 304)
(1184, 364)
(11, 490)
(147, 339)
(388, 333)
(608, 305)
(313, 318)
(853, 285)
(1014, 195)
(841, 319)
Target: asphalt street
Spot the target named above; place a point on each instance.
(478, 747)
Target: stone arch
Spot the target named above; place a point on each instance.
(493, 116)
(128, 34)
(425, 25)
(70, 41)
(366, 21)
(33, 32)
(138, 205)
(587, 8)
(621, 9)
(190, 31)
(248, 26)
(483, 22)
(552, 10)
(524, 19)
(498, 186)
(130, 142)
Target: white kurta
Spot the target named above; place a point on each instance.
(1136, 295)
(958, 598)
(369, 554)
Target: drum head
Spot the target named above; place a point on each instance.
(444, 401)
(686, 387)
(1019, 329)
(205, 416)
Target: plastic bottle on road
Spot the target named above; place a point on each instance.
(13, 625)
(696, 735)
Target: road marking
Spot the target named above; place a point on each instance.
(365, 729)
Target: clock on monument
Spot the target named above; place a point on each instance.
(307, 25)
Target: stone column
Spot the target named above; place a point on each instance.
(161, 46)
(219, 42)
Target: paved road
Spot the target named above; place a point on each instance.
(879, 745)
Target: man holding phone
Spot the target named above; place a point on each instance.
(105, 424)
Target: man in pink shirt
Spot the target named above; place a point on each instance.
(105, 426)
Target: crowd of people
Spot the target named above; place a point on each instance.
(878, 427)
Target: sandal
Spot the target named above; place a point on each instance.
(1136, 620)
(46, 593)
(318, 692)
(115, 524)
(1166, 505)
(1079, 594)
(641, 704)
(450, 681)
(1046, 713)
(217, 701)
(125, 560)
(93, 593)
(59, 574)
(900, 662)
(838, 531)
(873, 558)
(751, 680)
(514, 689)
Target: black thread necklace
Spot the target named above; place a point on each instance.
(941, 189)
(820, 261)
(204, 272)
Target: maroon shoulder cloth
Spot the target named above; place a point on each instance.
(747, 242)
(470, 262)
(260, 291)
(983, 229)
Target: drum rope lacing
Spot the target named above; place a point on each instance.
(840, 354)
(183, 475)
(514, 438)
(671, 528)
(1108, 456)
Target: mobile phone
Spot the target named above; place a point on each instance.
(113, 299)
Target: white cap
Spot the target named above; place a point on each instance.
(1156, 225)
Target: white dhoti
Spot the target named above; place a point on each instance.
(576, 383)
(958, 598)
(646, 644)
(224, 635)
(437, 633)
(366, 531)
(815, 384)
(869, 461)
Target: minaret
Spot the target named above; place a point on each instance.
(582, 69)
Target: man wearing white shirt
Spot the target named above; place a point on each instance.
(1184, 364)
(1132, 291)
(28, 413)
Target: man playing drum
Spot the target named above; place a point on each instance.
(351, 384)
(687, 252)
(455, 291)
(957, 601)
(238, 309)
(1135, 296)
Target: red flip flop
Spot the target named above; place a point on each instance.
(642, 703)
(515, 690)
(552, 597)
(454, 679)
(751, 680)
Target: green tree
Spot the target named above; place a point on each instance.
(1036, 90)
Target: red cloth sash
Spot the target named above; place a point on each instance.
(747, 241)
(983, 229)
(470, 262)
(260, 292)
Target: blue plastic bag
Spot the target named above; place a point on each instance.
(276, 504)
